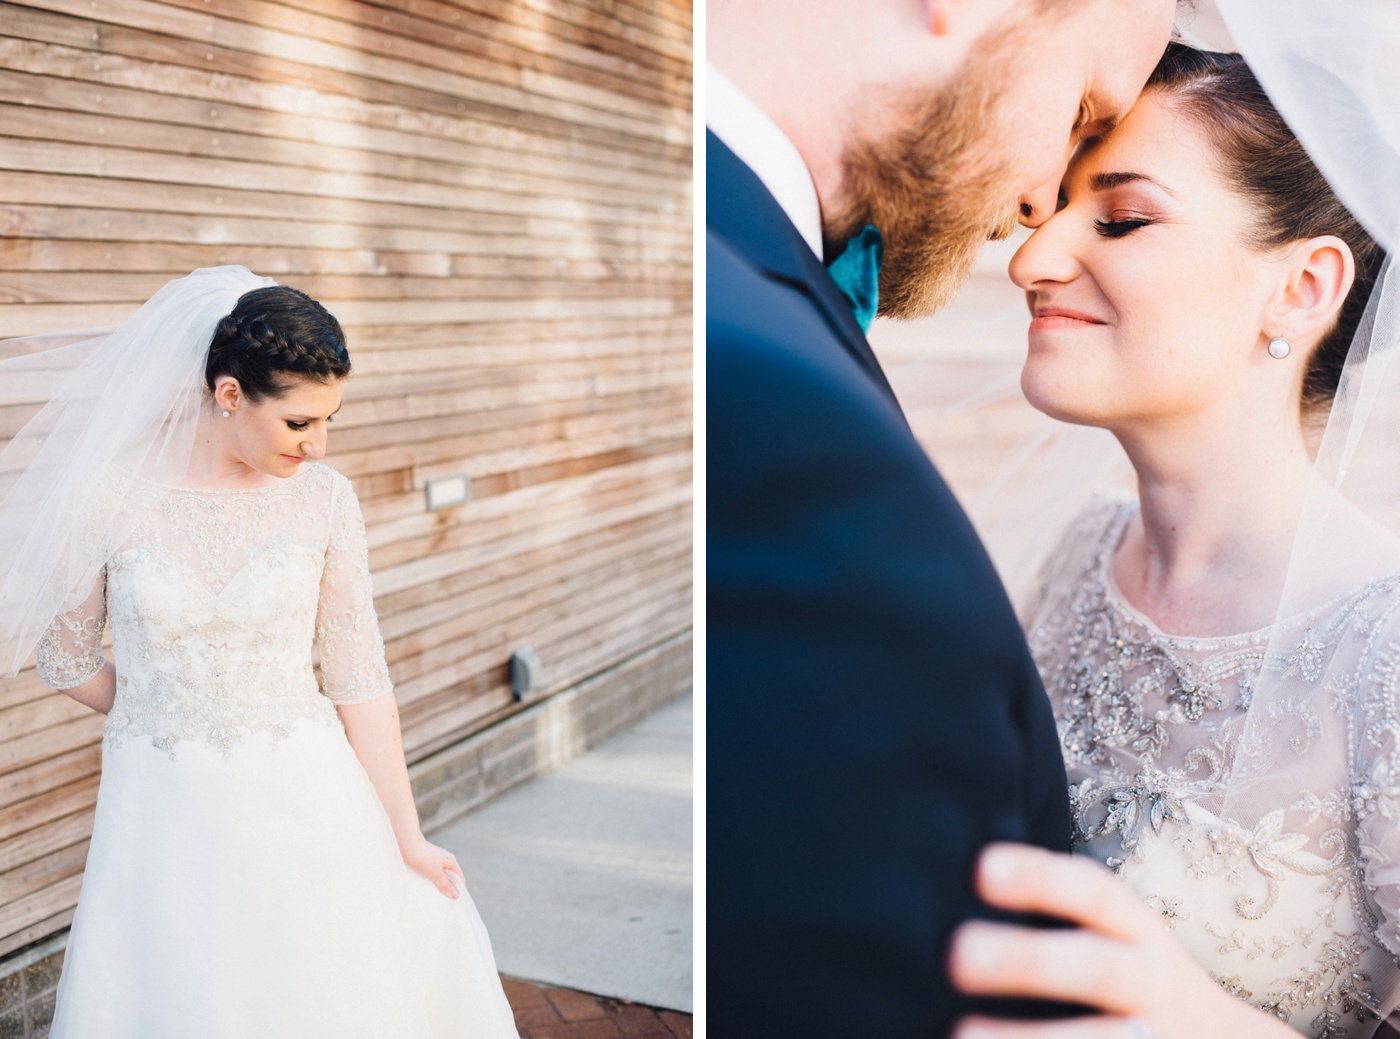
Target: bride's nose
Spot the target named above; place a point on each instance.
(313, 449)
(1045, 256)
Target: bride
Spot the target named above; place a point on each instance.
(256, 865)
(1225, 675)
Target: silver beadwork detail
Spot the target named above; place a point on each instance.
(1282, 905)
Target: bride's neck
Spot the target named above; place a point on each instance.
(1208, 551)
(214, 464)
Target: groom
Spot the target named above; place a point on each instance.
(874, 717)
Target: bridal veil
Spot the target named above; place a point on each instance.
(117, 411)
(1333, 71)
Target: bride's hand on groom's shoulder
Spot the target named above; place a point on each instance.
(1121, 958)
(437, 864)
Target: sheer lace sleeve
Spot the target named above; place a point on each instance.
(347, 632)
(70, 651)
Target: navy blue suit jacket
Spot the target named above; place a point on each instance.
(874, 716)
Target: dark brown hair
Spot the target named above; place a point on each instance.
(272, 333)
(1265, 163)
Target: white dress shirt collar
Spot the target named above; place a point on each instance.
(761, 146)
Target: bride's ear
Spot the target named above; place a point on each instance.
(1318, 275)
(227, 393)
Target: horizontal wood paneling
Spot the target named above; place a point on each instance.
(494, 198)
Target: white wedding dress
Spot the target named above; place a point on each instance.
(243, 881)
(1295, 908)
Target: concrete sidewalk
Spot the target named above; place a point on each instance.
(583, 876)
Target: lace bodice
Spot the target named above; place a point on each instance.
(219, 603)
(1294, 908)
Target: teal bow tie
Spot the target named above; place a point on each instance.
(857, 274)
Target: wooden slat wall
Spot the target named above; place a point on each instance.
(494, 198)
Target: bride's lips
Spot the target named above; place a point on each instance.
(294, 458)
(1048, 318)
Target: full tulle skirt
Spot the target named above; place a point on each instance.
(258, 893)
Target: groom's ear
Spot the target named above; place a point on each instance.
(938, 15)
(1319, 274)
(968, 18)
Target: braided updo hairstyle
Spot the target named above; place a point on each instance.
(273, 333)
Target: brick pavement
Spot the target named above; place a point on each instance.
(544, 1012)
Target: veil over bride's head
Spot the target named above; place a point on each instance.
(1332, 68)
(117, 411)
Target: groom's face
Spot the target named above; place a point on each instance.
(941, 171)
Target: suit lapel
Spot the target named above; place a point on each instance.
(742, 211)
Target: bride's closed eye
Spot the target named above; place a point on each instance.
(1119, 228)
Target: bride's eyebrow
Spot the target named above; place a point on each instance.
(307, 418)
(1106, 181)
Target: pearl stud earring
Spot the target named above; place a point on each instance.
(1278, 348)
(226, 413)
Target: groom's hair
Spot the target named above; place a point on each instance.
(1290, 199)
(273, 333)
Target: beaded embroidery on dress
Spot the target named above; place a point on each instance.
(219, 596)
(243, 877)
(1294, 910)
